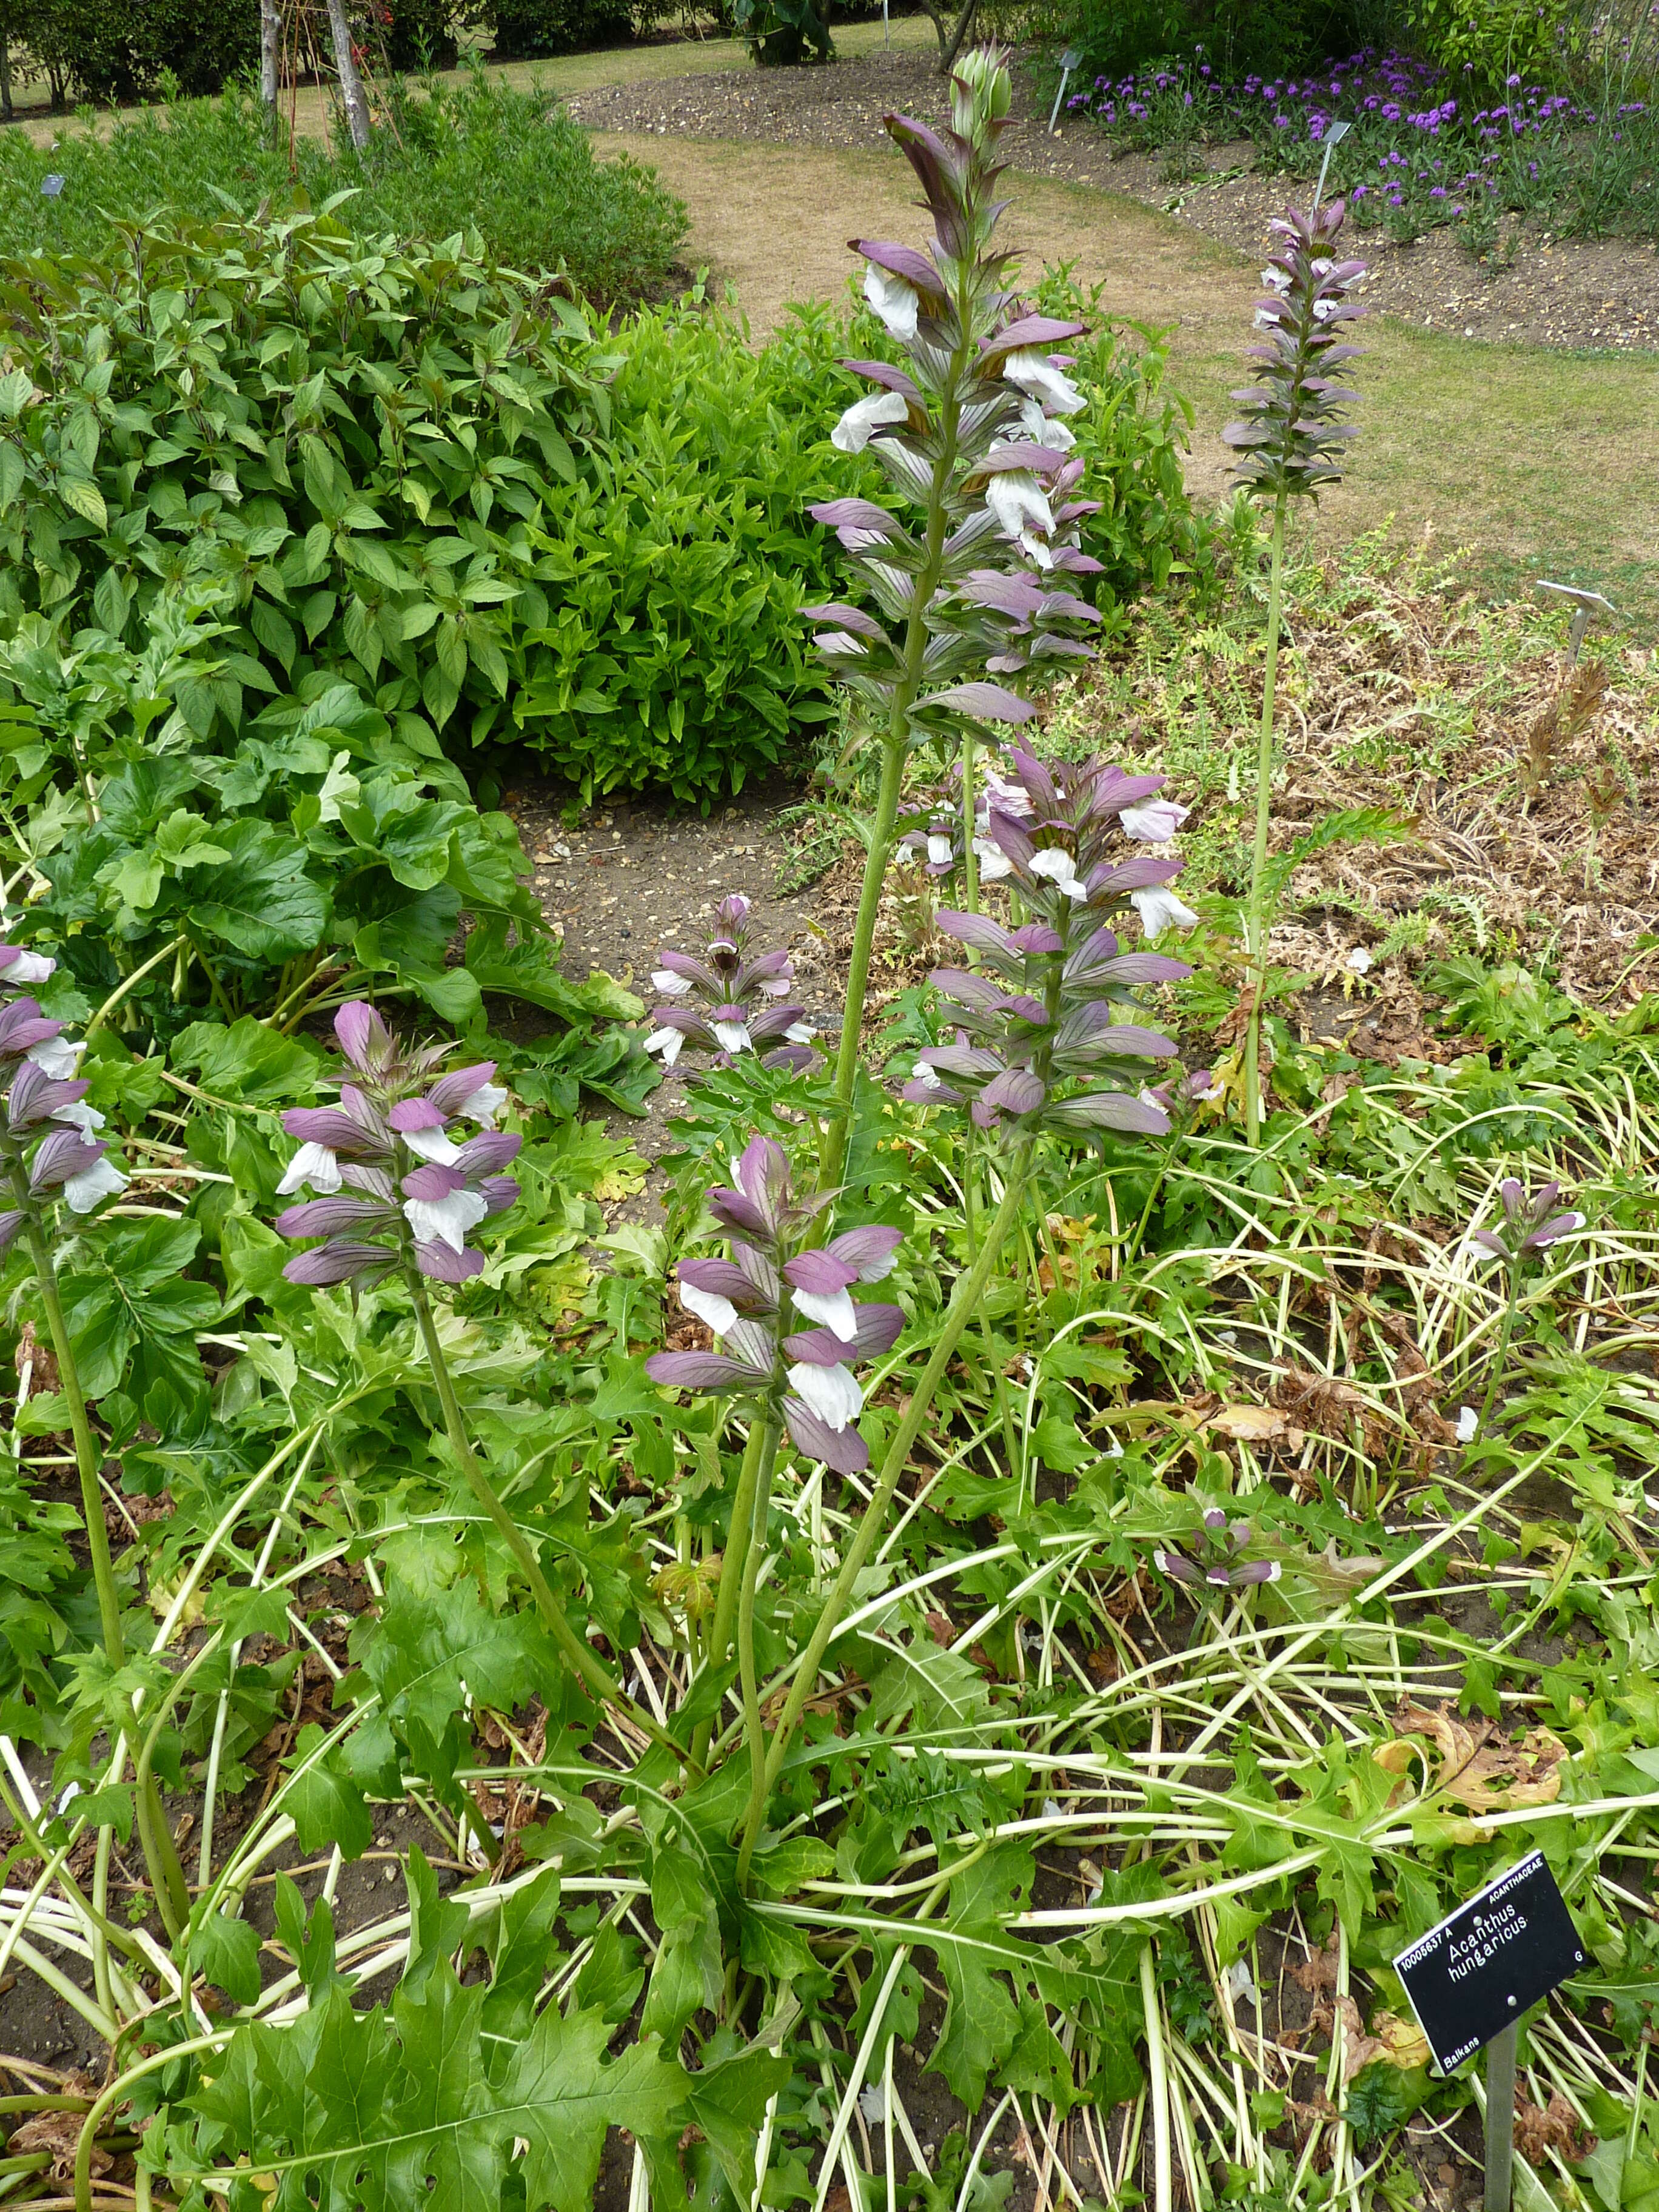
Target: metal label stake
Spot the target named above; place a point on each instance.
(1471, 1979)
(1500, 2119)
(1068, 62)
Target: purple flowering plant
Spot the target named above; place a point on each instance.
(1220, 1546)
(407, 1166)
(1037, 1045)
(1290, 439)
(731, 1000)
(1528, 1224)
(51, 1154)
(973, 436)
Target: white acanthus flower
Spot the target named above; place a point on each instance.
(445, 1220)
(1022, 509)
(485, 1103)
(1155, 821)
(1276, 280)
(29, 967)
(431, 1145)
(1160, 910)
(671, 984)
(834, 1308)
(851, 434)
(1032, 372)
(994, 862)
(1043, 430)
(667, 1042)
(733, 1036)
(799, 1033)
(832, 1393)
(896, 302)
(79, 1116)
(925, 1073)
(1467, 1422)
(1359, 961)
(1060, 869)
(1324, 309)
(102, 1180)
(57, 1057)
(314, 1165)
(708, 1305)
(938, 851)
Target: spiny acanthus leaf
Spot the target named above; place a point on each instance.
(376, 2110)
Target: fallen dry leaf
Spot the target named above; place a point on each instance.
(1394, 2041)
(1471, 1764)
(1249, 1423)
(1556, 2127)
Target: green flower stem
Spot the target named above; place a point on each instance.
(580, 1654)
(728, 1590)
(1495, 1383)
(964, 1299)
(160, 1859)
(864, 936)
(894, 746)
(969, 804)
(751, 1566)
(1255, 935)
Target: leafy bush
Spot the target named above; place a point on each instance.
(526, 28)
(1236, 35)
(416, 35)
(481, 158)
(121, 49)
(663, 643)
(337, 517)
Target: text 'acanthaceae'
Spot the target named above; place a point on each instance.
(773, 1278)
(420, 1189)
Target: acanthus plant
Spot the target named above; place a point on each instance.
(1528, 1224)
(1291, 442)
(721, 999)
(50, 1154)
(1039, 1046)
(798, 1377)
(403, 1185)
(973, 435)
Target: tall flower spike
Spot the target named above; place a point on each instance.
(1036, 1042)
(396, 1138)
(721, 998)
(776, 1282)
(1291, 439)
(50, 1147)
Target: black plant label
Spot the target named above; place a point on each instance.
(1478, 1971)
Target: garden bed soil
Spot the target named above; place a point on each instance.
(1532, 289)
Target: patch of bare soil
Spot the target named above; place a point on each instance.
(1536, 291)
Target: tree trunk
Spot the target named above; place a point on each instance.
(271, 39)
(351, 85)
(5, 75)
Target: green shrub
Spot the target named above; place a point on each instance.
(672, 650)
(525, 29)
(481, 158)
(1116, 36)
(119, 49)
(417, 34)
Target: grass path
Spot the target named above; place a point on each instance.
(1540, 462)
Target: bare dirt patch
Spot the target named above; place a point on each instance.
(1567, 293)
